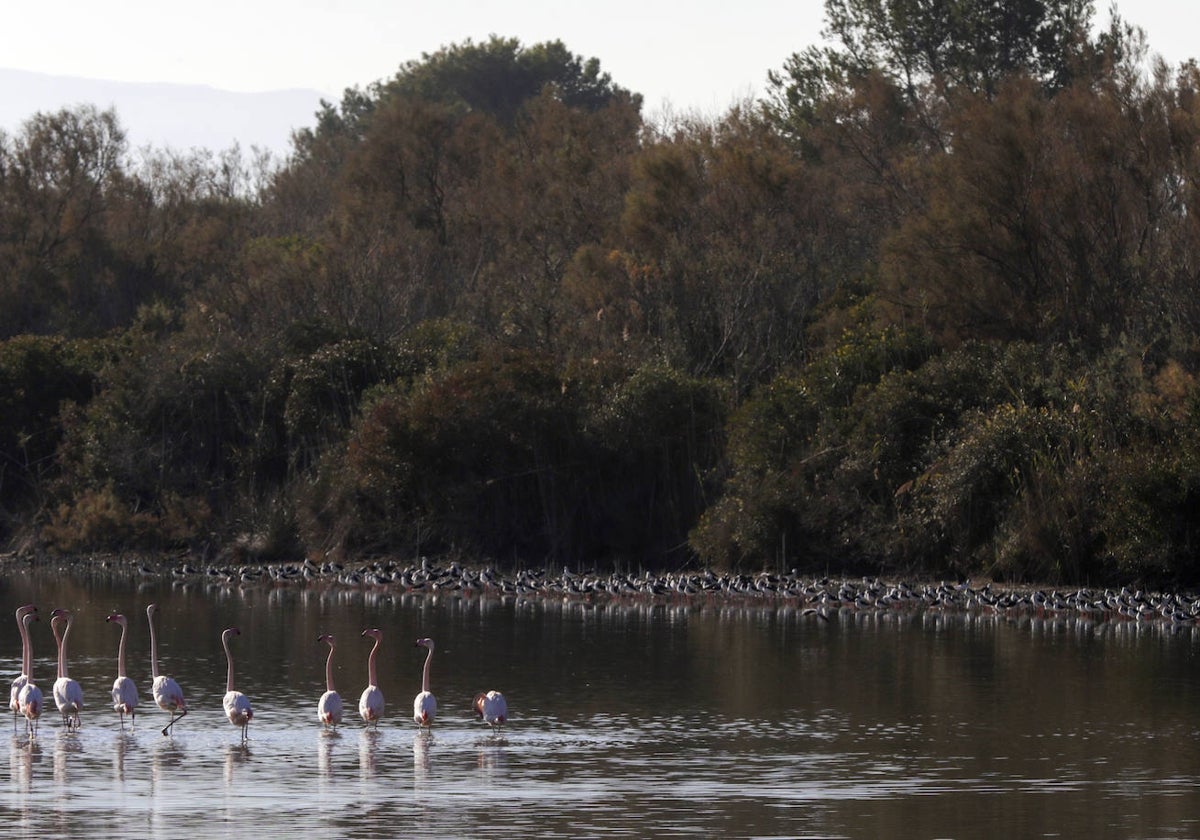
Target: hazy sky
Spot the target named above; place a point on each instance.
(702, 55)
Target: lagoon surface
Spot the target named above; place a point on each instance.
(625, 720)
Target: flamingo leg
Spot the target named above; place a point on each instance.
(170, 726)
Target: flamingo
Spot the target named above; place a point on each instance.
(370, 704)
(68, 695)
(19, 681)
(124, 690)
(29, 700)
(167, 693)
(491, 708)
(425, 704)
(329, 708)
(237, 705)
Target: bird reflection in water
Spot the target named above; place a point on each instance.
(326, 738)
(422, 745)
(368, 743)
(121, 745)
(235, 756)
(492, 758)
(67, 749)
(165, 760)
(25, 753)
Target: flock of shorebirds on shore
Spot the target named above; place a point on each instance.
(813, 594)
(27, 700)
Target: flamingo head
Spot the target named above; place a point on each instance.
(477, 705)
(327, 637)
(25, 610)
(151, 610)
(28, 617)
(232, 631)
(425, 643)
(118, 619)
(374, 632)
(57, 619)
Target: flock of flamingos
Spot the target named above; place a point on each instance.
(25, 698)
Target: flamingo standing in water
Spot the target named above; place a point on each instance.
(19, 681)
(68, 695)
(29, 700)
(167, 693)
(237, 705)
(491, 708)
(124, 690)
(425, 704)
(370, 704)
(329, 708)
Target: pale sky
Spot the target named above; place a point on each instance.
(699, 56)
(703, 54)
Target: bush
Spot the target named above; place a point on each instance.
(513, 458)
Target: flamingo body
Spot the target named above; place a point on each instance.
(167, 694)
(370, 704)
(425, 704)
(329, 707)
(491, 708)
(30, 703)
(237, 705)
(125, 698)
(68, 694)
(424, 708)
(124, 690)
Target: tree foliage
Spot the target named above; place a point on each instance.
(930, 306)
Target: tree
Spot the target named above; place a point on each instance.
(964, 45)
(1045, 222)
(498, 77)
(56, 176)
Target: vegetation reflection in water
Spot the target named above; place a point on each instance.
(624, 719)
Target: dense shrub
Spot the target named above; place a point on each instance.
(511, 457)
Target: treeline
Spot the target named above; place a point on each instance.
(928, 307)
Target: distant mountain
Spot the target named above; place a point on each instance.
(179, 116)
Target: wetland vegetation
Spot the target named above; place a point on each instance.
(928, 308)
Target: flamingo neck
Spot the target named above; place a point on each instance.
(26, 649)
(63, 653)
(425, 672)
(58, 640)
(371, 664)
(121, 651)
(329, 670)
(27, 653)
(229, 657)
(153, 649)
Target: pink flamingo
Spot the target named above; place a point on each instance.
(370, 704)
(491, 708)
(425, 704)
(124, 690)
(29, 701)
(237, 705)
(167, 693)
(68, 695)
(329, 708)
(19, 681)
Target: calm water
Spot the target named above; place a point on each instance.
(625, 721)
